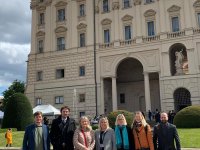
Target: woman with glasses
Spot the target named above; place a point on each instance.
(105, 136)
(123, 134)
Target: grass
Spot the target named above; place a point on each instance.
(189, 138)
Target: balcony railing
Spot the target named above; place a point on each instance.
(151, 38)
(127, 42)
(175, 34)
(196, 31)
(106, 45)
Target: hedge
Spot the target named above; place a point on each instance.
(188, 117)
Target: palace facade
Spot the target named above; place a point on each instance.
(145, 55)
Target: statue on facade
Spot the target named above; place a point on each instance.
(179, 62)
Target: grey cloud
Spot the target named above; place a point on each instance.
(15, 21)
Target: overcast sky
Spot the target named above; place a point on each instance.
(15, 32)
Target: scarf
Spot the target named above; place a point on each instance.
(119, 137)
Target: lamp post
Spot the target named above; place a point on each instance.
(74, 102)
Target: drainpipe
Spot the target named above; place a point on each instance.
(95, 71)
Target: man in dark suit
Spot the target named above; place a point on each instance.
(62, 131)
(36, 136)
(164, 135)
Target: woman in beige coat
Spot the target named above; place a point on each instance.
(84, 136)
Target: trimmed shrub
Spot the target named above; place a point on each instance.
(18, 113)
(94, 127)
(188, 117)
(113, 115)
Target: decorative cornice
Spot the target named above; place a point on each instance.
(137, 2)
(106, 21)
(196, 4)
(40, 33)
(48, 2)
(115, 5)
(41, 8)
(149, 13)
(81, 26)
(61, 3)
(60, 29)
(174, 8)
(127, 17)
(33, 4)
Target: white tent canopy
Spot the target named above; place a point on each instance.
(1, 114)
(46, 110)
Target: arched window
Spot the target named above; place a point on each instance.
(182, 99)
(178, 59)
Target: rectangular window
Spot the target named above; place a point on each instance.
(38, 101)
(107, 36)
(82, 71)
(60, 73)
(82, 113)
(81, 97)
(198, 19)
(61, 14)
(41, 18)
(148, 1)
(60, 43)
(82, 10)
(150, 26)
(39, 76)
(127, 32)
(82, 40)
(122, 98)
(175, 24)
(105, 6)
(126, 3)
(40, 46)
(59, 100)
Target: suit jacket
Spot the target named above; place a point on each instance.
(29, 138)
(108, 140)
(62, 133)
(164, 136)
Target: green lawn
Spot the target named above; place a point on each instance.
(188, 137)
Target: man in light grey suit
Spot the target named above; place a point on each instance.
(164, 135)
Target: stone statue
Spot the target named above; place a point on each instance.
(179, 62)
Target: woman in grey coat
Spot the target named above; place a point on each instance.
(105, 136)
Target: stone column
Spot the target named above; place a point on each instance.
(114, 93)
(102, 97)
(115, 7)
(138, 17)
(147, 91)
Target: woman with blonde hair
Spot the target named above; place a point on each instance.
(105, 136)
(142, 133)
(123, 134)
(84, 135)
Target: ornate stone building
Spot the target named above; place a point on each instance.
(147, 54)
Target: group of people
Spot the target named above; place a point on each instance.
(64, 135)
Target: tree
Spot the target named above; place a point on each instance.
(18, 112)
(15, 87)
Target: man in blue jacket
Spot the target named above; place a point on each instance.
(36, 136)
(164, 135)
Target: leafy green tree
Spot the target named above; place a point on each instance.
(16, 87)
(18, 112)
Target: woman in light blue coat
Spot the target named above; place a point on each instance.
(105, 136)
